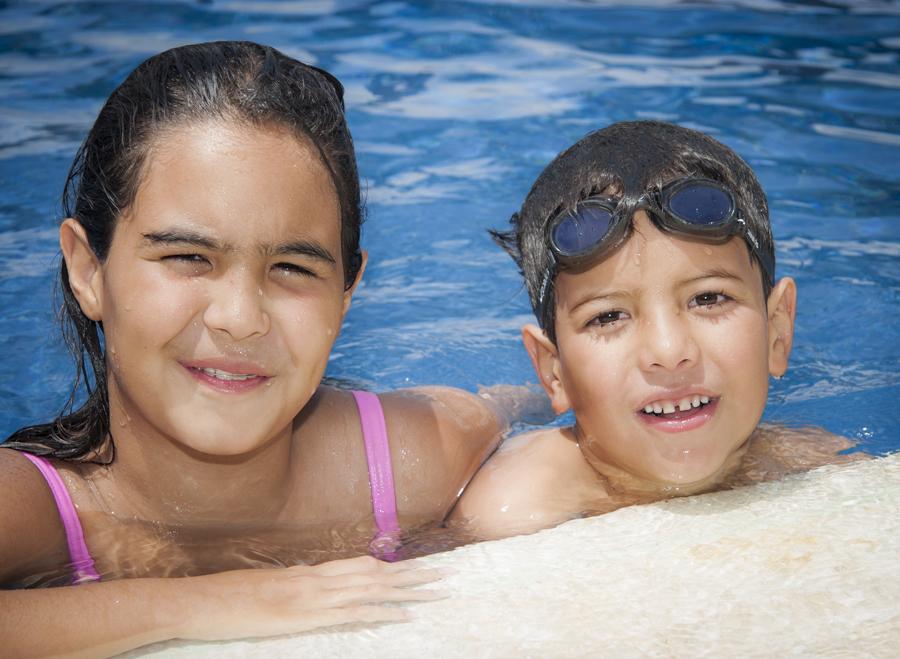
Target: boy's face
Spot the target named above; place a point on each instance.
(664, 324)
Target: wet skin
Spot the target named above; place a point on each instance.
(660, 324)
(224, 288)
(660, 320)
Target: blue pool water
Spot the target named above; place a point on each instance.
(455, 108)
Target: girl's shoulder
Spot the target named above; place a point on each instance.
(438, 436)
(32, 537)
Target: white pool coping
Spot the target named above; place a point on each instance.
(809, 566)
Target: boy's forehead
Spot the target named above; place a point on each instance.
(651, 256)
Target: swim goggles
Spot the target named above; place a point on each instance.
(697, 208)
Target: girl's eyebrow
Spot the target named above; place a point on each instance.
(180, 237)
(194, 239)
(305, 248)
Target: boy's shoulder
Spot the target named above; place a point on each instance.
(777, 450)
(534, 480)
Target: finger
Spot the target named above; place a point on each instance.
(360, 564)
(368, 613)
(396, 579)
(370, 593)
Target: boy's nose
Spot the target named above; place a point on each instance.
(237, 307)
(667, 343)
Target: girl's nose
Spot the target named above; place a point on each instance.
(237, 307)
(667, 342)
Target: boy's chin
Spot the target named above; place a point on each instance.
(691, 478)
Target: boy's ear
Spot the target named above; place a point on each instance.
(782, 307)
(348, 294)
(83, 267)
(545, 359)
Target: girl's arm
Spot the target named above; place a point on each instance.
(109, 617)
(102, 619)
(440, 436)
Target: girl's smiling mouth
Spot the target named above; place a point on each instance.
(228, 378)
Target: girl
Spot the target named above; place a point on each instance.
(210, 253)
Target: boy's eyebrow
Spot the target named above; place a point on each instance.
(194, 239)
(593, 297)
(717, 273)
(712, 273)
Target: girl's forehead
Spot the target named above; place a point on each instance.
(239, 179)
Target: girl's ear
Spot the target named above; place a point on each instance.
(83, 267)
(348, 294)
(782, 307)
(545, 359)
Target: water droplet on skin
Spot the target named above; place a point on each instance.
(707, 251)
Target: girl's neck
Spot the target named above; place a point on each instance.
(155, 477)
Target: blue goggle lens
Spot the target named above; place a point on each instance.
(701, 205)
(581, 230)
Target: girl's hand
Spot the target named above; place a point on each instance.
(268, 602)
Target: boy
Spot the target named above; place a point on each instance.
(648, 257)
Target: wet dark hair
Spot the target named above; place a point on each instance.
(634, 157)
(236, 81)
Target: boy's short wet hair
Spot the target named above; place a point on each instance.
(632, 157)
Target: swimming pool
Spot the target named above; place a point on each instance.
(455, 108)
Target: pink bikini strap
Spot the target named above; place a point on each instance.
(381, 475)
(82, 563)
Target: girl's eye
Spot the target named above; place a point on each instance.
(709, 299)
(607, 318)
(189, 263)
(294, 269)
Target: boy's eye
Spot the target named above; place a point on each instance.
(607, 318)
(709, 299)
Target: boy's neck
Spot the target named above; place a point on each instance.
(622, 482)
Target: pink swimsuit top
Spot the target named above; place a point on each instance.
(381, 484)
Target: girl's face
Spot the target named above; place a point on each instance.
(664, 354)
(223, 290)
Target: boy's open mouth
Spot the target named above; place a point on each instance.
(677, 409)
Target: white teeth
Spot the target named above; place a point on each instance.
(669, 406)
(225, 375)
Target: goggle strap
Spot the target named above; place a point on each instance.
(544, 290)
